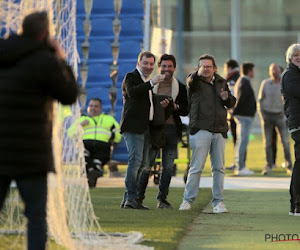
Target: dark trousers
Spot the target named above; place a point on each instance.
(295, 181)
(33, 191)
(97, 154)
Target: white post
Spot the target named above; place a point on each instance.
(235, 30)
(162, 24)
(147, 25)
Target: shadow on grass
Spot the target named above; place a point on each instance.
(162, 229)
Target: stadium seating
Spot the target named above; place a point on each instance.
(80, 34)
(80, 10)
(131, 8)
(123, 69)
(128, 51)
(103, 8)
(98, 76)
(100, 52)
(101, 29)
(131, 29)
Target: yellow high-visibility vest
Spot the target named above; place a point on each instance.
(101, 128)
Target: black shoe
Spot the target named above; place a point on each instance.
(122, 204)
(297, 211)
(232, 167)
(92, 176)
(132, 204)
(164, 204)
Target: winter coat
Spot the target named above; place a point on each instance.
(31, 77)
(290, 88)
(206, 108)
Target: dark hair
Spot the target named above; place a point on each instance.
(146, 54)
(231, 63)
(207, 57)
(35, 24)
(166, 57)
(96, 99)
(246, 67)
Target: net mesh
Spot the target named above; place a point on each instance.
(71, 219)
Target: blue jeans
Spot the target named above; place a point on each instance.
(202, 143)
(243, 129)
(33, 191)
(270, 121)
(138, 149)
(169, 153)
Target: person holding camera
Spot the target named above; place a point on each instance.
(176, 95)
(209, 96)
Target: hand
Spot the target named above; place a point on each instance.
(59, 51)
(158, 78)
(85, 123)
(165, 103)
(224, 94)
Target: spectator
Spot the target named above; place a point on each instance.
(33, 74)
(136, 114)
(244, 112)
(272, 116)
(175, 89)
(290, 89)
(100, 131)
(208, 95)
(232, 72)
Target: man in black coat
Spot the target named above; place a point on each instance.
(33, 74)
(177, 91)
(290, 88)
(136, 114)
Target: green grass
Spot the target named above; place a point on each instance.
(253, 214)
(161, 228)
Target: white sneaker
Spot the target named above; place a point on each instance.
(220, 208)
(243, 172)
(185, 205)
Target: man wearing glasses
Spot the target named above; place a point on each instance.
(209, 96)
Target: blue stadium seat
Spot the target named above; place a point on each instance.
(128, 51)
(103, 8)
(103, 94)
(80, 34)
(79, 79)
(120, 152)
(98, 75)
(119, 103)
(131, 29)
(132, 8)
(79, 50)
(80, 9)
(100, 52)
(123, 69)
(102, 29)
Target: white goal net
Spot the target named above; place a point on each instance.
(70, 215)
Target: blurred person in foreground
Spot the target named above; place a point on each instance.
(270, 109)
(290, 89)
(244, 111)
(172, 133)
(33, 74)
(138, 111)
(208, 97)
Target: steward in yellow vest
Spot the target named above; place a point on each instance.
(100, 131)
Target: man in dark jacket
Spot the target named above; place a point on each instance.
(136, 114)
(232, 72)
(173, 88)
(290, 88)
(244, 112)
(208, 96)
(33, 74)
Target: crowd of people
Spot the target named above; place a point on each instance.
(150, 121)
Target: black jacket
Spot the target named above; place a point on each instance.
(135, 113)
(207, 109)
(290, 88)
(30, 79)
(245, 98)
